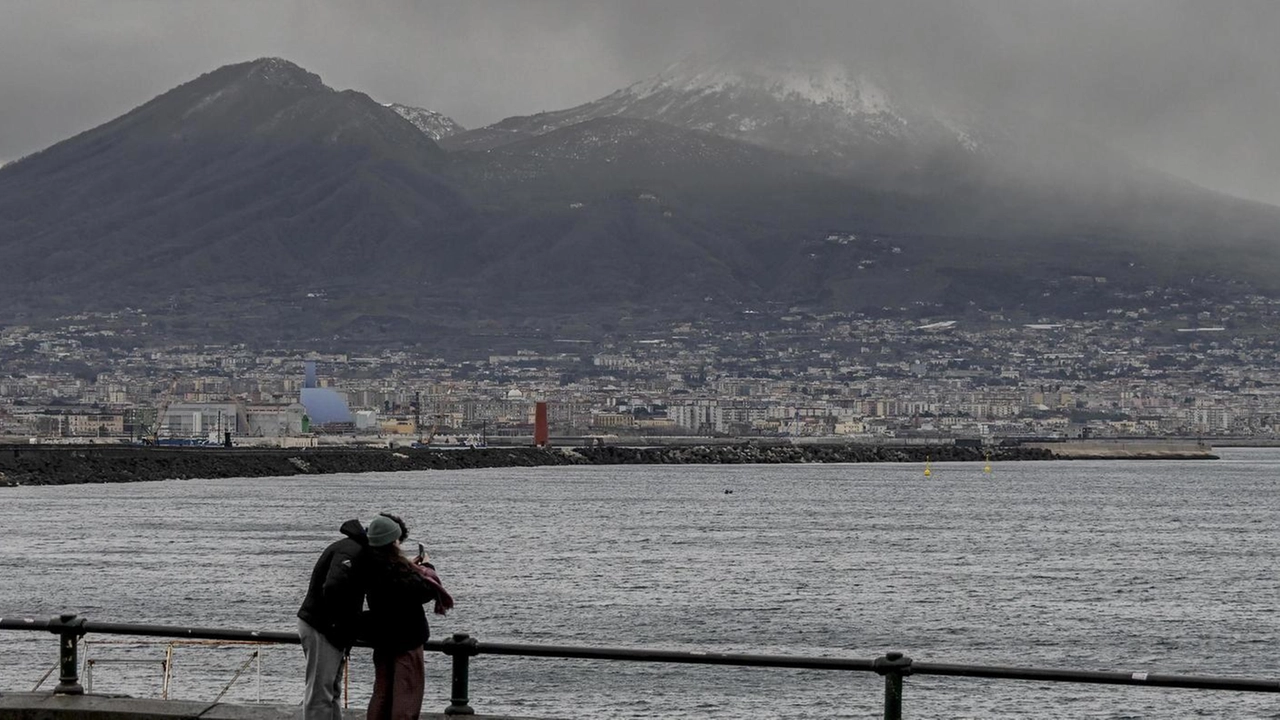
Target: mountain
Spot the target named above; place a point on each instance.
(824, 112)
(435, 125)
(255, 203)
(253, 180)
(875, 128)
(873, 155)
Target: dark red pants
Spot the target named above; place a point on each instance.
(397, 685)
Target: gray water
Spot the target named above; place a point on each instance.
(1161, 567)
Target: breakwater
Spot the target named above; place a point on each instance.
(63, 465)
(1128, 449)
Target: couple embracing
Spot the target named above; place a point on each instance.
(369, 564)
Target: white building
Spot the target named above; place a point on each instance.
(274, 420)
(198, 420)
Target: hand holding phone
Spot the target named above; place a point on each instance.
(422, 554)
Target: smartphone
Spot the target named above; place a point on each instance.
(422, 552)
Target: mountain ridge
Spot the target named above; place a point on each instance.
(217, 179)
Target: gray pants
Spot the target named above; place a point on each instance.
(325, 661)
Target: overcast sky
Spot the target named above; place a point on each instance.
(1190, 86)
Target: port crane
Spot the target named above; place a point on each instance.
(152, 436)
(431, 434)
(416, 405)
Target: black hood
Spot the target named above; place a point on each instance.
(354, 530)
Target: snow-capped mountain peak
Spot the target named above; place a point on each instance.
(819, 84)
(821, 109)
(840, 117)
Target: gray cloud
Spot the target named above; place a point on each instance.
(1188, 86)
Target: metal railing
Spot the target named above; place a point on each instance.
(166, 663)
(893, 666)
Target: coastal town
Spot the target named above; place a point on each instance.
(1176, 371)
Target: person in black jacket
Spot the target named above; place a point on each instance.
(397, 625)
(328, 619)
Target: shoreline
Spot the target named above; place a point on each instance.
(71, 464)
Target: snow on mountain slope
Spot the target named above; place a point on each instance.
(822, 110)
(435, 125)
(819, 84)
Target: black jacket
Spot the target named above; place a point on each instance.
(396, 620)
(335, 594)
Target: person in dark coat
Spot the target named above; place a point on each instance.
(328, 619)
(397, 624)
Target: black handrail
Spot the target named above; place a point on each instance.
(893, 666)
(137, 630)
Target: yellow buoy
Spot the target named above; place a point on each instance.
(987, 468)
(927, 471)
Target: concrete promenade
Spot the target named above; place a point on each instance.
(47, 706)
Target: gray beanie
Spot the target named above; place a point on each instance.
(382, 531)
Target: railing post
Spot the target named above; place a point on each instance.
(69, 628)
(893, 666)
(461, 647)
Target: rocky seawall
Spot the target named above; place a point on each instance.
(64, 465)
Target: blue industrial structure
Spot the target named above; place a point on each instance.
(324, 406)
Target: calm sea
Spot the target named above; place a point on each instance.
(1165, 567)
